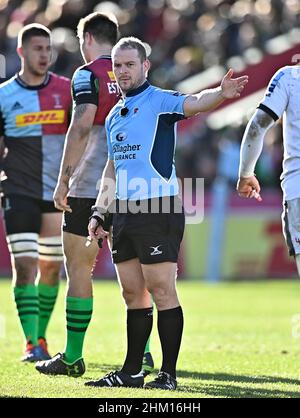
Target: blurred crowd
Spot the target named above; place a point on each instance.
(186, 37)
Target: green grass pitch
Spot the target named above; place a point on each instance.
(239, 341)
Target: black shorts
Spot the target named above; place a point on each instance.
(77, 221)
(151, 237)
(24, 214)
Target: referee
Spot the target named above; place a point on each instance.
(141, 137)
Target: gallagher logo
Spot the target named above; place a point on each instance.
(121, 136)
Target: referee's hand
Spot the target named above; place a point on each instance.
(96, 231)
(60, 197)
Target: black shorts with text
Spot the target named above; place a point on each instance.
(151, 237)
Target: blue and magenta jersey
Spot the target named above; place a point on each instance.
(33, 122)
(93, 83)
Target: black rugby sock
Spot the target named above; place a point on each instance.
(139, 325)
(170, 327)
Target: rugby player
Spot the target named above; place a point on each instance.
(281, 100)
(34, 114)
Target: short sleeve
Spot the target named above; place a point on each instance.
(168, 102)
(85, 87)
(276, 96)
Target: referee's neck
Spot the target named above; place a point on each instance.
(137, 90)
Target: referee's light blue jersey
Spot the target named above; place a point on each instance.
(141, 137)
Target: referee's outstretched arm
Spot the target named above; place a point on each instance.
(209, 99)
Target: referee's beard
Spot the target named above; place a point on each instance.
(127, 86)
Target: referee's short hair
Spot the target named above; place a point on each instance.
(131, 42)
(34, 29)
(103, 27)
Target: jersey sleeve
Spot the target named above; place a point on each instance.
(276, 96)
(168, 102)
(109, 146)
(85, 87)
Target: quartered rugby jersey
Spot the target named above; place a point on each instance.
(282, 98)
(141, 135)
(93, 83)
(33, 121)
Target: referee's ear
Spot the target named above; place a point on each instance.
(146, 66)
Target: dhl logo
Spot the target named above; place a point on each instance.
(45, 117)
(111, 75)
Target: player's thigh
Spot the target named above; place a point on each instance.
(50, 243)
(22, 219)
(75, 231)
(77, 254)
(51, 224)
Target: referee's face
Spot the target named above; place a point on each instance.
(130, 71)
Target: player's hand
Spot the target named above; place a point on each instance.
(96, 230)
(232, 87)
(60, 197)
(249, 187)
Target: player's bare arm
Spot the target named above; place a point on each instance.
(206, 100)
(104, 200)
(76, 141)
(252, 144)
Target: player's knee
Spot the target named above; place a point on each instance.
(50, 272)
(131, 295)
(25, 271)
(79, 266)
(162, 295)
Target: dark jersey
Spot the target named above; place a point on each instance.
(33, 121)
(93, 83)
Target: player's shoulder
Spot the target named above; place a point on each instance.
(99, 68)
(285, 73)
(157, 92)
(9, 86)
(60, 78)
(82, 73)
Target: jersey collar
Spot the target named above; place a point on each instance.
(106, 57)
(27, 86)
(138, 90)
